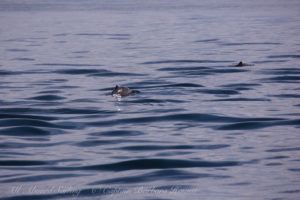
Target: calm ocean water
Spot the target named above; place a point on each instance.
(200, 128)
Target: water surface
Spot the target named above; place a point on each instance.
(200, 128)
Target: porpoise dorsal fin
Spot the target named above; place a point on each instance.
(240, 64)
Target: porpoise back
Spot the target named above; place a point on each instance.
(121, 91)
(242, 64)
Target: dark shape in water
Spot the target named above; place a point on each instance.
(242, 64)
(122, 91)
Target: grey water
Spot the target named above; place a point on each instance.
(199, 128)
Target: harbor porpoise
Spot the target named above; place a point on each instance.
(242, 64)
(122, 91)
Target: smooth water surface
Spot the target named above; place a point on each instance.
(200, 128)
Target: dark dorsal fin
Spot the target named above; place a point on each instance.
(240, 64)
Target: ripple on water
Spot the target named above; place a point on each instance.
(20, 145)
(219, 91)
(154, 101)
(17, 50)
(249, 43)
(35, 178)
(24, 131)
(104, 34)
(258, 124)
(22, 116)
(93, 143)
(25, 59)
(286, 96)
(69, 193)
(191, 117)
(204, 71)
(179, 85)
(244, 126)
(241, 85)
(284, 149)
(141, 164)
(111, 74)
(284, 56)
(50, 92)
(162, 84)
(48, 97)
(208, 40)
(6, 73)
(185, 61)
(167, 174)
(27, 122)
(173, 147)
(80, 71)
(282, 79)
(282, 71)
(68, 64)
(269, 61)
(241, 99)
(23, 162)
(117, 133)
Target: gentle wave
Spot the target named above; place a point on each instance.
(9, 112)
(142, 164)
(117, 133)
(180, 117)
(136, 164)
(68, 64)
(23, 162)
(64, 193)
(242, 99)
(283, 149)
(80, 71)
(104, 34)
(257, 125)
(174, 147)
(282, 79)
(196, 71)
(155, 101)
(5, 73)
(227, 92)
(185, 61)
(48, 98)
(28, 122)
(284, 56)
(282, 71)
(110, 73)
(286, 96)
(20, 145)
(17, 50)
(94, 72)
(208, 40)
(24, 131)
(45, 177)
(167, 174)
(14, 110)
(249, 43)
(25, 59)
